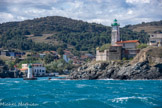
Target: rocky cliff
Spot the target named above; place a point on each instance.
(146, 65)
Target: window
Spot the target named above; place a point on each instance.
(153, 41)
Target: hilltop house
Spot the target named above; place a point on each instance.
(12, 54)
(119, 49)
(38, 69)
(67, 56)
(155, 40)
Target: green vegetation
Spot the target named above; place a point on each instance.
(49, 58)
(141, 46)
(79, 35)
(59, 66)
(105, 46)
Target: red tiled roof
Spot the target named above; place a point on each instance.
(46, 52)
(24, 69)
(53, 51)
(116, 45)
(128, 41)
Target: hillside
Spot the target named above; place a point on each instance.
(149, 27)
(50, 33)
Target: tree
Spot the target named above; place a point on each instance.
(60, 51)
(48, 58)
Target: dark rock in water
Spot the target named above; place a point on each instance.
(103, 70)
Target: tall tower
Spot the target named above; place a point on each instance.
(30, 74)
(115, 35)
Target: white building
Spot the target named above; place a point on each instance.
(37, 69)
(66, 58)
(155, 39)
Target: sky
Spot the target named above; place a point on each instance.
(98, 11)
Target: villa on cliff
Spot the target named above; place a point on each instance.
(119, 49)
(155, 39)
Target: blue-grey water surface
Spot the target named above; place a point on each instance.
(44, 93)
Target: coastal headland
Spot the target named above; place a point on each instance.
(147, 64)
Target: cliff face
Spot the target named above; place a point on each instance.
(151, 54)
(146, 65)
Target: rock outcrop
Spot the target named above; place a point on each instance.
(143, 66)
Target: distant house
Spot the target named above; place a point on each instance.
(129, 48)
(155, 40)
(38, 69)
(12, 54)
(5, 53)
(54, 53)
(87, 56)
(42, 55)
(76, 60)
(66, 58)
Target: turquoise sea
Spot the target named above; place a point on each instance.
(44, 93)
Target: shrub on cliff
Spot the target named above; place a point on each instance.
(141, 46)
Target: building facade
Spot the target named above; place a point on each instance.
(118, 49)
(37, 69)
(155, 40)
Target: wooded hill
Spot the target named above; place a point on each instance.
(149, 27)
(51, 33)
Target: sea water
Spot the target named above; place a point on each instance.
(44, 93)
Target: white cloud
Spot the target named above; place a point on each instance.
(138, 1)
(130, 12)
(99, 11)
(5, 17)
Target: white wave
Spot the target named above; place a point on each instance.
(81, 99)
(45, 102)
(16, 81)
(2, 83)
(125, 99)
(59, 79)
(106, 79)
(81, 85)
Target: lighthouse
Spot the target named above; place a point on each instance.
(115, 35)
(30, 74)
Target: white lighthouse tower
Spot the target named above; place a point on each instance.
(115, 35)
(30, 73)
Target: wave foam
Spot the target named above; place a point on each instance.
(81, 85)
(16, 81)
(2, 83)
(124, 99)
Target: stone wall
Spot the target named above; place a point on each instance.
(115, 53)
(101, 56)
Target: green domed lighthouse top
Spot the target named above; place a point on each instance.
(29, 66)
(115, 23)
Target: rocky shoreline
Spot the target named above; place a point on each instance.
(144, 66)
(115, 70)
